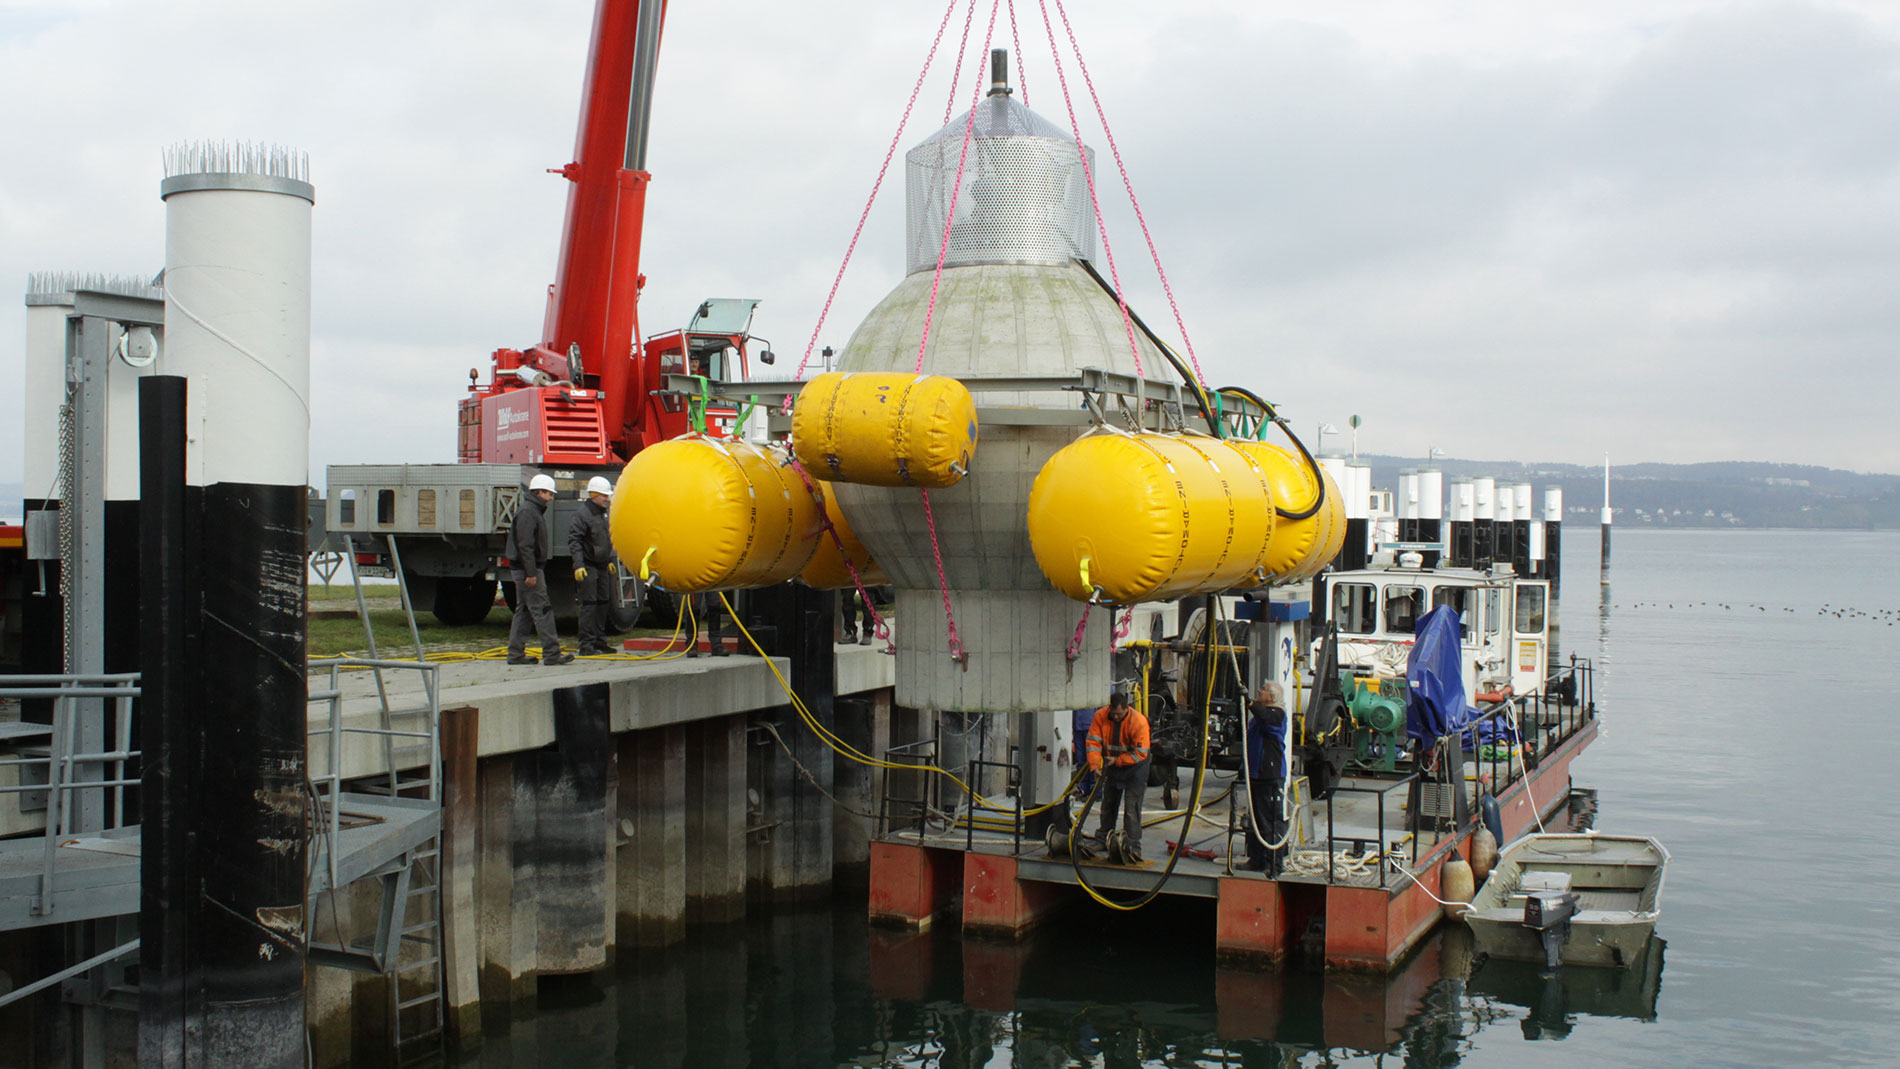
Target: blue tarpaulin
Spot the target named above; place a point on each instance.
(1434, 677)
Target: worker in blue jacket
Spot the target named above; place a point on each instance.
(1266, 776)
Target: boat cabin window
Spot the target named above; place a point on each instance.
(1403, 606)
(1493, 610)
(1463, 601)
(1353, 608)
(1530, 610)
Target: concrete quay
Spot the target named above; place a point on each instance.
(594, 808)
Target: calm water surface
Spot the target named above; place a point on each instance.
(1748, 727)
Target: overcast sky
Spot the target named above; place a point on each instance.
(1669, 229)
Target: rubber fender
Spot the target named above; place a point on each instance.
(695, 514)
(1484, 854)
(1300, 548)
(1148, 517)
(885, 429)
(827, 570)
(1456, 885)
(1492, 816)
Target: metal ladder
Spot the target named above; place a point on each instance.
(395, 754)
(416, 1022)
(408, 946)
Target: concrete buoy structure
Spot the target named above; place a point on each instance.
(1012, 302)
(223, 836)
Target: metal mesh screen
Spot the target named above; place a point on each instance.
(1023, 198)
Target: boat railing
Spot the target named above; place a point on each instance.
(1523, 728)
(1013, 775)
(909, 791)
(74, 768)
(1383, 852)
(426, 737)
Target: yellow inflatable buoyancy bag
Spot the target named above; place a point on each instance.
(827, 570)
(885, 429)
(1300, 548)
(1147, 517)
(697, 514)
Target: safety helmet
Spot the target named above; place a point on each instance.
(542, 482)
(598, 485)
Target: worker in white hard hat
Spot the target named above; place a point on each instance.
(527, 557)
(595, 574)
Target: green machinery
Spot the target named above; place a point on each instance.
(1378, 716)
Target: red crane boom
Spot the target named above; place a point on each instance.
(583, 395)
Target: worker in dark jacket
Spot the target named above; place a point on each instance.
(595, 574)
(1266, 775)
(1118, 738)
(527, 553)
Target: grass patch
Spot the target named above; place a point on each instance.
(336, 636)
(342, 591)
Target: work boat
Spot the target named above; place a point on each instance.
(1571, 900)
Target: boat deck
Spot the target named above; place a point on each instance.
(1355, 825)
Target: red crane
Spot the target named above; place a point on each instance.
(584, 395)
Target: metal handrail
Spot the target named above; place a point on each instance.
(332, 696)
(62, 777)
(1014, 777)
(917, 755)
(1379, 794)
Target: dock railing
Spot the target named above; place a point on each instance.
(329, 787)
(76, 699)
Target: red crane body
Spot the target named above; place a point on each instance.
(582, 396)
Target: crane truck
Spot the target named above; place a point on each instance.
(579, 402)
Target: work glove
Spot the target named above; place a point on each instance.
(612, 568)
(580, 575)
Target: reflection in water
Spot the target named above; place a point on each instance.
(823, 988)
(1556, 999)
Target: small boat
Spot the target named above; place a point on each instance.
(1571, 900)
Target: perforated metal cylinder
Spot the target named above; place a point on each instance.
(1022, 198)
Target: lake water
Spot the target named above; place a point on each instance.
(1749, 725)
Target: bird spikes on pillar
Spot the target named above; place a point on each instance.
(237, 157)
(56, 284)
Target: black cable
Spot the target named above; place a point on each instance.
(1319, 480)
(1200, 392)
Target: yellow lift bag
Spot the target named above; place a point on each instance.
(695, 514)
(1148, 517)
(826, 570)
(1300, 548)
(885, 429)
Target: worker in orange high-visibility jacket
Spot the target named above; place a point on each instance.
(1119, 736)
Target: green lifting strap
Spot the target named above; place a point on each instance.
(696, 406)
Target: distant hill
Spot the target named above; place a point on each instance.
(1721, 494)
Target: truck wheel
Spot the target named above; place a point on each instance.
(508, 594)
(462, 602)
(664, 609)
(624, 614)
